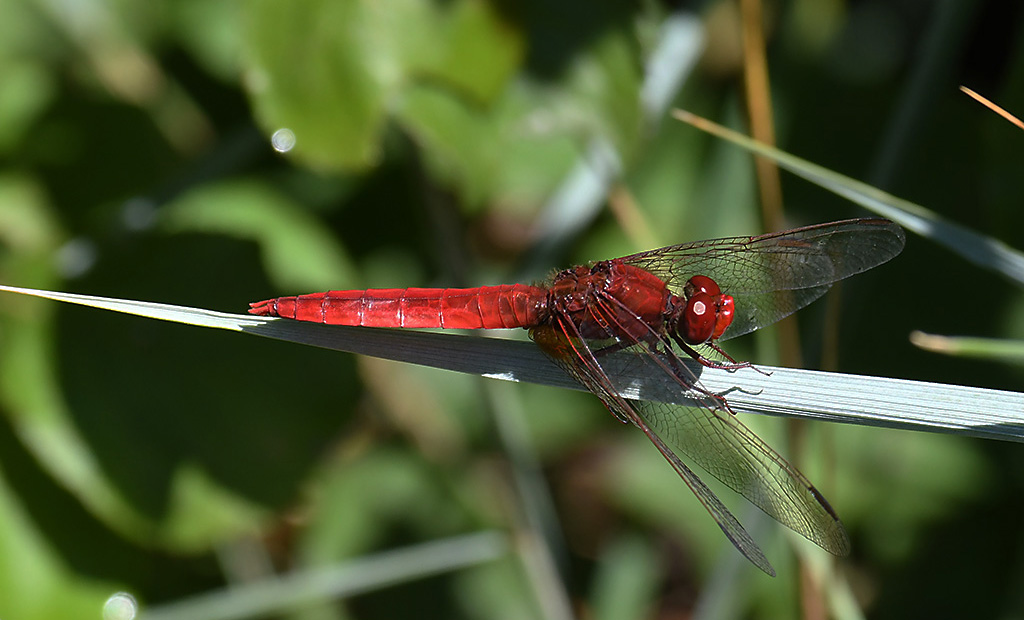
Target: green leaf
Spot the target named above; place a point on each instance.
(479, 50)
(331, 71)
(298, 252)
(36, 584)
(321, 69)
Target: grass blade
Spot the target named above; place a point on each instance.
(816, 395)
(977, 248)
(285, 592)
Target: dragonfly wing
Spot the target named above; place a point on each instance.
(576, 358)
(720, 444)
(763, 308)
(704, 429)
(771, 276)
(708, 433)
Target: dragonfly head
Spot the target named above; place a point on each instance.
(706, 314)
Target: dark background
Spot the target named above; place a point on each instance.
(167, 461)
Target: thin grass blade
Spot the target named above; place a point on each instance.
(977, 248)
(835, 397)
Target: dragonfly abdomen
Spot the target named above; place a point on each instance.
(490, 307)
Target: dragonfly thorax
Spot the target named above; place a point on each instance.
(610, 300)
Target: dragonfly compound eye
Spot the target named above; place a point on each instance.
(701, 284)
(697, 324)
(725, 309)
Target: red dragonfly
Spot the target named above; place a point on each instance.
(653, 309)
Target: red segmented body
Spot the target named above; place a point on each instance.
(638, 301)
(491, 307)
(652, 310)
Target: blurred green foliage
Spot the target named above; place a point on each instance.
(432, 138)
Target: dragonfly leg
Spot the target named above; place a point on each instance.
(734, 364)
(677, 367)
(704, 360)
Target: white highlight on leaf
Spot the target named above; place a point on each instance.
(283, 140)
(120, 606)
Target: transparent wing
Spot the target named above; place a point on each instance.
(771, 276)
(705, 431)
(710, 435)
(714, 439)
(576, 358)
